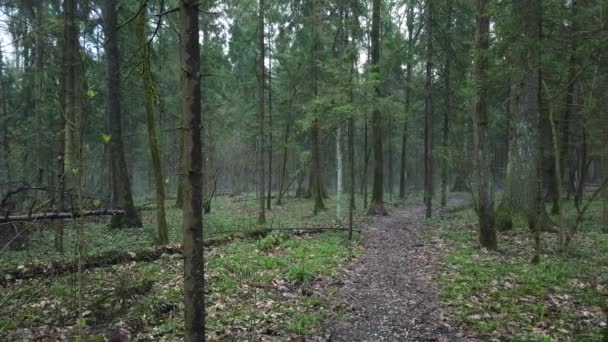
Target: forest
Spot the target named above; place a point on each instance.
(303, 170)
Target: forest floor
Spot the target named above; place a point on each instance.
(390, 293)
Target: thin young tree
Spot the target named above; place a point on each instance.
(376, 206)
(408, 91)
(162, 237)
(485, 191)
(270, 136)
(194, 272)
(448, 104)
(260, 148)
(121, 189)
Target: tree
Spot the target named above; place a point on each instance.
(376, 206)
(428, 114)
(520, 195)
(261, 80)
(485, 191)
(121, 188)
(194, 305)
(317, 185)
(448, 105)
(148, 84)
(408, 91)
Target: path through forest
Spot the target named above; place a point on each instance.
(389, 292)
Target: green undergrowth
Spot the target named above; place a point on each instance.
(230, 215)
(278, 286)
(502, 295)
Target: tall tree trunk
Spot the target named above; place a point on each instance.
(194, 272)
(524, 159)
(41, 149)
(339, 173)
(377, 203)
(317, 185)
(121, 189)
(408, 80)
(428, 122)
(3, 106)
(365, 160)
(148, 83)
(390, 158)
(448, 108)
(260, 74)
(269, 197)
(485, 191)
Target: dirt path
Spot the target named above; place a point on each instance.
(389, 291)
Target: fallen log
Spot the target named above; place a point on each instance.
(59, 215)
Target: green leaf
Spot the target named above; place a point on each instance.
(91, 93)
(96, 202)
(106, 138)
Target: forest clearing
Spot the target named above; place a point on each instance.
(304, 170)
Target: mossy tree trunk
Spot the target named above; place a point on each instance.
(162, 237)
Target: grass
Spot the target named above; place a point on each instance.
(501, 294)
(279, 285)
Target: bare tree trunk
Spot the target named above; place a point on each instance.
(260, 74)
(269, 197)
(148, 83)
(41, 150)
(194, 272)
(448, 109)
(377, 204)
(485, 191)
(121, 189)
(339, 173)
(317, 185)
(428, 122)
(408, 80)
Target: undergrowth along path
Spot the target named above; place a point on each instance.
(389, 293)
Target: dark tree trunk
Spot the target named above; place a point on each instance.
(448, 109)
(269, 197)
(428, 122)
(261, 80)
(485, 192)
(194, 305)
(121, 189)
(377, 203)
(317, 185)
(408, 80)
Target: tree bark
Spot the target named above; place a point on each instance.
(148, 83)
(485, 191)
(260, 76)
(408, 80)
(524, 159)
(448, 108)
(41, 149)
(339, 173)
(377, 203)
(194, 272)
(269, 197)
(121, 189)
(317, 185)
(428, 122)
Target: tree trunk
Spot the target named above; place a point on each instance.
(317, 185)
(121, 189)
(339, 173)
(377, 203)
(260, 76)
(485, 191)
(448, 109)
(428, 122)
(524, 159)
(194, 272)
(41, 149)
(148, 83)
(269, 197)
(408, 80)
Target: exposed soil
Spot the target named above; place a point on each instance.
(389, 293)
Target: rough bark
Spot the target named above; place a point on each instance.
(485, 191)
(194, 305)
(428, 110)
(376, 206)
(524, 159)
(121, 189)
(261, 81)
(148, 84)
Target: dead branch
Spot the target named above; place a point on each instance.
(59, 215)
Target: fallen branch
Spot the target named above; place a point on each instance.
(59, 215)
